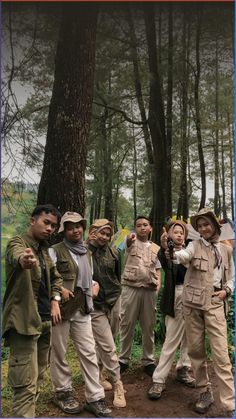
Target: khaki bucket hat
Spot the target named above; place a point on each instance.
(205, 212)
(74, 217)
(100, 223)
(180, 223)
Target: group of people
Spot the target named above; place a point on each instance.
(75, 289)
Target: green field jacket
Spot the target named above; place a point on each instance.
(20, 310)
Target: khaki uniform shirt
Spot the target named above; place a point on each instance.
(20, 310)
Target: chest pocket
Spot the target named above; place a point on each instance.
(63, 266)
(201, 264)
(66, 270)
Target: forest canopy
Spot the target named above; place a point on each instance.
(135, 101)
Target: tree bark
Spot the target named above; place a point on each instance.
(169, 113)
(216, 145)
(156, 122)
(197, 110)
(183, 192)
(63, 176)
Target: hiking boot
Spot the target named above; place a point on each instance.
(123, 367)
(149, 369)
(67, 402)
(183, 376)
(104, 381)
(98, 408)
(154, 393)
(204, 401)
(119, 395)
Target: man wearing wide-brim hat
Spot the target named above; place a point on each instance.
(209, 280)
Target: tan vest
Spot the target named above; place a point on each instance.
(140, 262)
(198, 282)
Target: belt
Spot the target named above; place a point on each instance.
(217, 289)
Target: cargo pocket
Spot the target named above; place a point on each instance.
(130, 274)
(62, 265)
(19, 370)
(194, 296)
(201, 264)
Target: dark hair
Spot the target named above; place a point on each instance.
(143, 216)
(47, 208)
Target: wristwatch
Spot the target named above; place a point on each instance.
(56, 298)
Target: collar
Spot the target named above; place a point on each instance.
(208, 243)
(34, 243)
(94, 246)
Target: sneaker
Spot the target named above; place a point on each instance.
(98, 408)
(119, 395)
(123, 367)
(104, 381)
(183, 376)
(67, 402)
(204, 401)
(154, 393)
(149, 369)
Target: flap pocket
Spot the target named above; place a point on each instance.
(62, 265)
(201, 264)
(194, 296)
(130, 274)
(19, 370)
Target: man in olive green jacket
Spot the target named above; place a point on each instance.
(33, 288)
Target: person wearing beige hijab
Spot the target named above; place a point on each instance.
(209, 280)
(174, 234)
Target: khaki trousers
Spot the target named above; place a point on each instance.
(106, 347)
(214, 322)
(80, 330)
(27, 362)
(114, 319)
(175, 337)
(137, 304)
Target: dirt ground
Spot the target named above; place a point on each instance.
(176, 401)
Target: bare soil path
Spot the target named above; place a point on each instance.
(176, 402)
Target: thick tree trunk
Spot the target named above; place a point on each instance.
(63, 176)
(107, 166)
(169, 113)
(139, 96)
(216, 145)
(183, 192)
(197, 110)
(156, 121)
